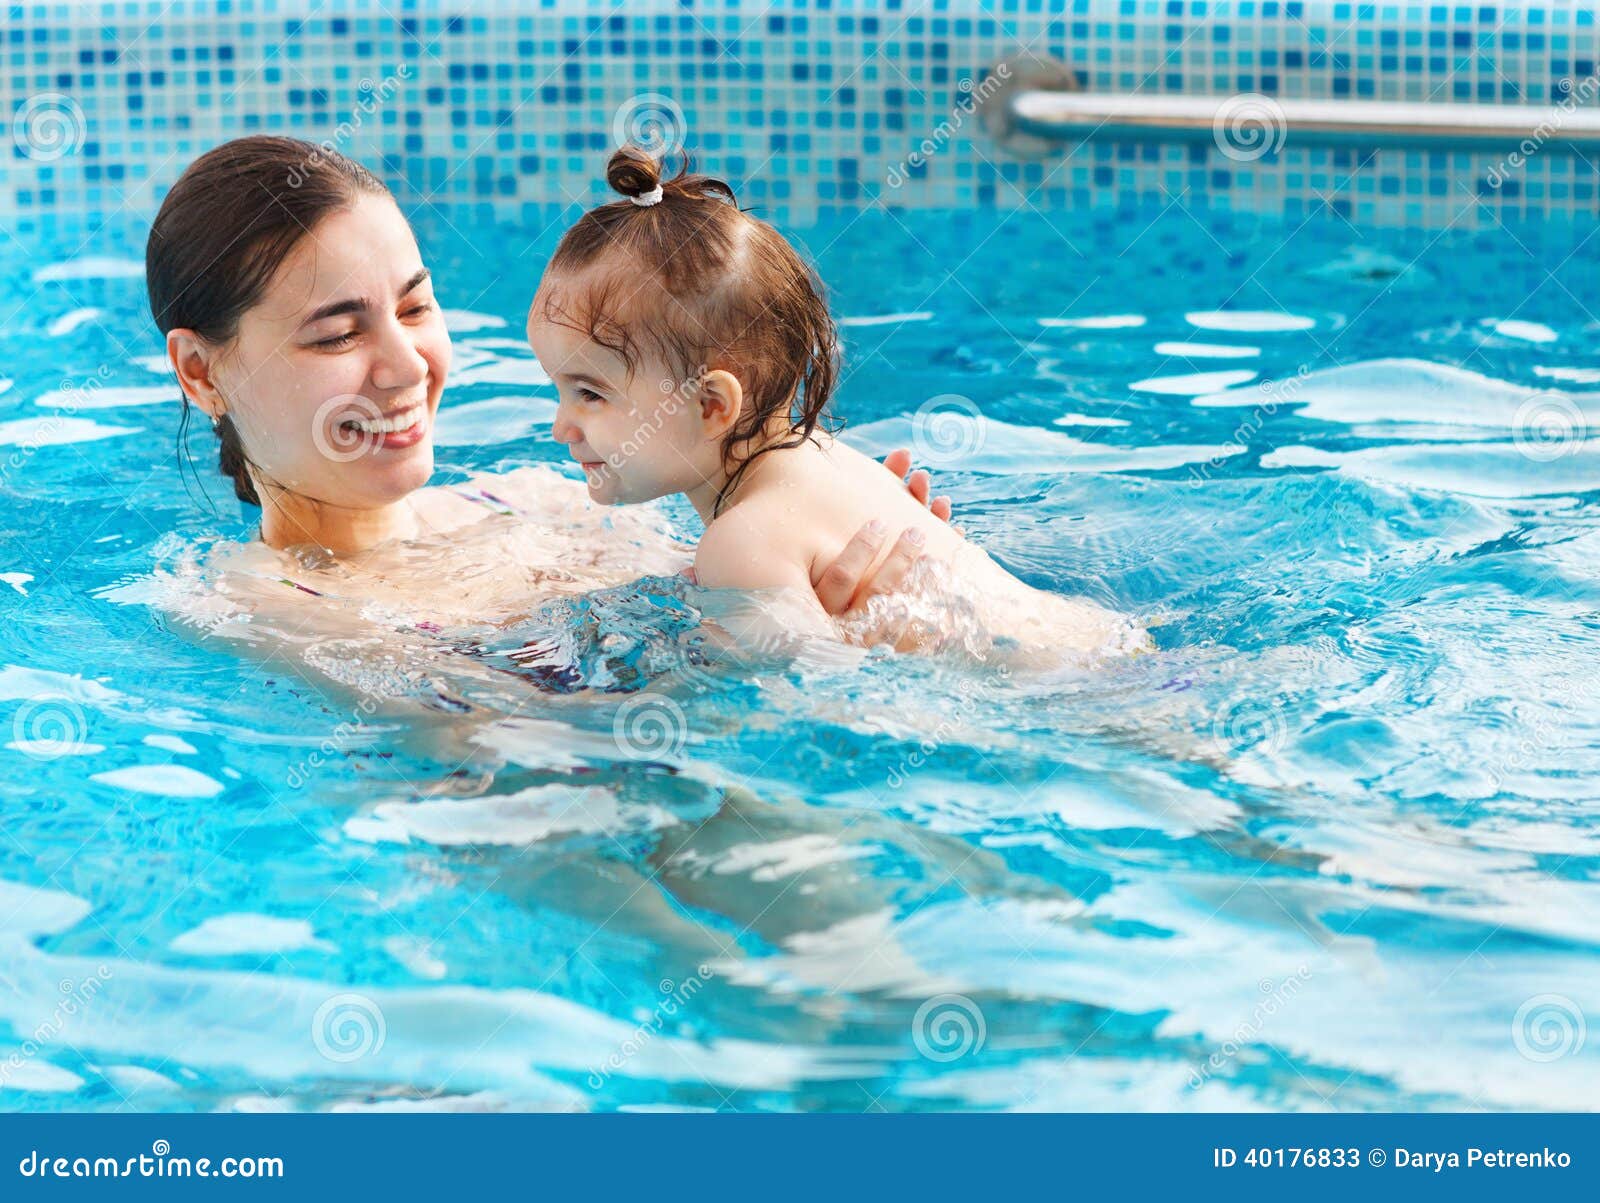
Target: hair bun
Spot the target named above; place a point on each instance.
(633, 171)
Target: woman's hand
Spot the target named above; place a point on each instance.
(845, 585)
(898, 461)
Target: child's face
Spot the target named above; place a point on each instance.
(638, 436)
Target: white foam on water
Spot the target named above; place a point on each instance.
(368, 830)
(170, 743)
(417, 956)
(1088, 420)
(1001, 449)
(248, 933)
(1569, 375)
(1130, 798)
(56, 432)
(5, 385)
(463, 321)
(887, 319)
(68, 322)
(549, 744)
(1407, 391)
(30, 1075)
(1110, 321)
(1249, 321)
(118, 397)
(159, 364)
(525, 817)
(136, 1079)
(18, 682)
(50, 749)
(16, 580)
(91, 267)
(1206, 351)
(501, 344)
(491, 422)
(164, 780)
(1529, 332)
(773, 860)
(30, 912)
(279, 1029)
(861, 953)
(1497, 470)
(1188, 386)
(498, 369)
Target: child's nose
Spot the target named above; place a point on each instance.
(562, 429)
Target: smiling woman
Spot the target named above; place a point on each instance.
(300, 318)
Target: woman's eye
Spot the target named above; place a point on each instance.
(338, 342)
(418, 310)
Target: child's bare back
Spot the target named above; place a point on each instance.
(798, 507)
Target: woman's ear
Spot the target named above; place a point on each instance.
(192, 358)
(721, 400)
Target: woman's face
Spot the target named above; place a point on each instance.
(335, 375)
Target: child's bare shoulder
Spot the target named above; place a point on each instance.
(759, 542)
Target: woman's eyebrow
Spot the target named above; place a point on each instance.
(360, 304)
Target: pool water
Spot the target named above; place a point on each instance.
(1334, 846)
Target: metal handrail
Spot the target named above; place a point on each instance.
(1068, 115)
(1037, 106)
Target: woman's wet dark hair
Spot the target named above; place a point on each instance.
(222, 233)
(704, 285)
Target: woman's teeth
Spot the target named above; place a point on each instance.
(404, 420)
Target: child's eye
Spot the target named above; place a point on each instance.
(586, 394)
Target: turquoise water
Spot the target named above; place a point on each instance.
(1334, 846)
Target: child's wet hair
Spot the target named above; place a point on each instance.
(703, 286)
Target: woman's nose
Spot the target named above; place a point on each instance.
(400, 363)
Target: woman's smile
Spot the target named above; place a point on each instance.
(400, 429)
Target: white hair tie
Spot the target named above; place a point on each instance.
(653, 197)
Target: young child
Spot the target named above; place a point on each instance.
(694, 354)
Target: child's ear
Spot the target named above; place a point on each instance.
(191, 356)
(721, 400)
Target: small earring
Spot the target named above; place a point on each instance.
(216, 425)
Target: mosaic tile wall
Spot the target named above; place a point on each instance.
(804, 106)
